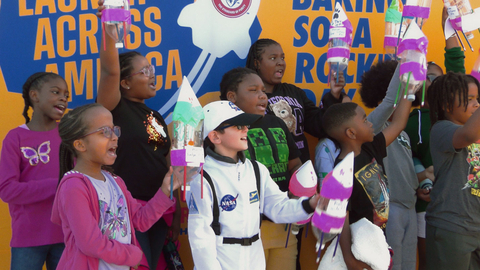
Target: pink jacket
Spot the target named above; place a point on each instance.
(76, 209)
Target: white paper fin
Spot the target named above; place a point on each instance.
(471, 22)
(339, 15)
(186, 93)
(413, 31)
(343, 172)
(449, 31)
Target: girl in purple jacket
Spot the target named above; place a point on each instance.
(96, 211)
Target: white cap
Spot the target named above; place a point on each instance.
(219, 112)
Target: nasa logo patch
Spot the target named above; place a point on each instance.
(232, 8)
(228, 203)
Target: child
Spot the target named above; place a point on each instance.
(234, 243)
(270, 143)
(126, 82)
(401, 230)
(285, 100)
(418, 129)
(347, 123)
(29, 174)
(453, 219)
(94, 207)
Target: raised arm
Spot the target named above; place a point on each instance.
(109, 86)
(454, 55)
(399, 121)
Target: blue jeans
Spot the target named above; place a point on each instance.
(33, 258)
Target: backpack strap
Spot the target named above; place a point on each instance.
(216, 212)
(257, 177)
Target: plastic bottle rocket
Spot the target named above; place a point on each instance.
(456, 9)
(476, 68)
(413, 64)
(330, 213)
(394, 30)
(417, 10)
(340, 40)
(303, 183)
(116, 20)
(187, 155)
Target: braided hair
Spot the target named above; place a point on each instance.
(232, 79)
(35, 81)
(442, 93)
(71, 128)
(126, 67)
(256, 51)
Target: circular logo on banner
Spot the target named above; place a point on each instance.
(228, 202)
(232, 8)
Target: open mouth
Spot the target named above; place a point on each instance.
(60, 108)
(279, 73)
(153, 86)
(113, 151)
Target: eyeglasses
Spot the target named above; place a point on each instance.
(106, 131)
(239, 127)
(147, 71)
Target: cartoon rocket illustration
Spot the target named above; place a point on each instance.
(187, 144)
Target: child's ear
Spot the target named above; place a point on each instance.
(232, 96)
(214, 138)
(350, 133)
(79, 146)
(256, 63)
(124, 85)
(33, 94)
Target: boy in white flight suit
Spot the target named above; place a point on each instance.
(240, 201)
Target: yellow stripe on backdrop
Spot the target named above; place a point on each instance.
(301, 27)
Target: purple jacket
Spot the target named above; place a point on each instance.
(76, 209)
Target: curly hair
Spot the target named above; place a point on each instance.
(374, 83)
(443, 91)
(232, 79)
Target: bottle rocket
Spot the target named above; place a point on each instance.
(340, 40)
(413, 63)
(394, 30)
(417, 10)
(303, 183)
(116, 20)
(476, 68)
(331, 210)
(456, 9)
(186, 154)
